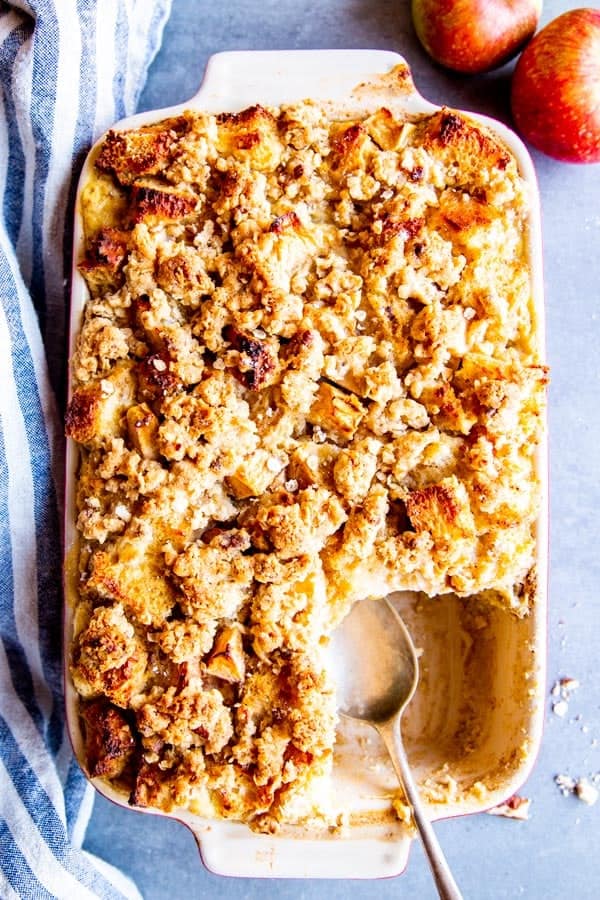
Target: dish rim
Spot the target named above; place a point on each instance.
(229, 84)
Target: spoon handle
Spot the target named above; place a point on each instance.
(446, 885)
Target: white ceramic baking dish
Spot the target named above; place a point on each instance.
(475, 724)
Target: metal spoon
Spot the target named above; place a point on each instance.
(377, 674)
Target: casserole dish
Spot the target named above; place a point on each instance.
(476, 722)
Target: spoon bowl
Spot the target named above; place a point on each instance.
(376, 668)
(379, 683)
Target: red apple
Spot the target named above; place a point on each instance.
(474, 35)
(555, 94)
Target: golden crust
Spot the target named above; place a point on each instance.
(135, 579)
(308, 368)
(152, 201)
(441, 509)
(103, 263)
(131, 154)
(337, 413)
(109, 741)
(109, 659)
(96, 410)
(453, 137)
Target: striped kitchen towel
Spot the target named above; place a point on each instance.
(68, 69)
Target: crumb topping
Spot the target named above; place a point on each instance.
(308, 371)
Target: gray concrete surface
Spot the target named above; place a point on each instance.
(555, 853)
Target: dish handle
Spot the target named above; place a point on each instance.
(273, 77)
(232, 849)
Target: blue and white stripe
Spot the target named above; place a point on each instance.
(68, 69)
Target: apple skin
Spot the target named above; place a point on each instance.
(472, 36)
(555, 94)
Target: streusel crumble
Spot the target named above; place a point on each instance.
(307, 372)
